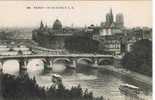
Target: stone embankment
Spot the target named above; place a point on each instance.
(134, 75)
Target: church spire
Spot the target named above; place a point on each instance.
(111, 16)
(41, 24)
(111, 11)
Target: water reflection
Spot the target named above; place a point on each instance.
(102, 83)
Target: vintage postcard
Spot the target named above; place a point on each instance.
(76, 50)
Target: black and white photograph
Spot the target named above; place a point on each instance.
(76, 50)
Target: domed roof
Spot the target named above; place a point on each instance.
(57, 25)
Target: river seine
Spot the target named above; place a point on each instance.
(101, 83)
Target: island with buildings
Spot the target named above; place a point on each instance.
(110, 37)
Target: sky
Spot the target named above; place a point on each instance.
(84, 13)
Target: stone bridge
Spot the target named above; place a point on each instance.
(49, 60)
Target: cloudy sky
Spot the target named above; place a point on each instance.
(16, 14)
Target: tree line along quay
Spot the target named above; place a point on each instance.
(29, 90)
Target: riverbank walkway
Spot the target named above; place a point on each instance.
(134, 75)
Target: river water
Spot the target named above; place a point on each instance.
(101, 83)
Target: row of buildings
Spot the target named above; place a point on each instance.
(114, 38)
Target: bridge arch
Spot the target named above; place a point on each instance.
(35, 65)
(63, 60)
(88, 60)
(43, 60)
(36, 61)
(11, 66)
(10, 60)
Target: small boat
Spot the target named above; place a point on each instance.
(56, 78)
(129, 89)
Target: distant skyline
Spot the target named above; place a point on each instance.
(16, 14)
